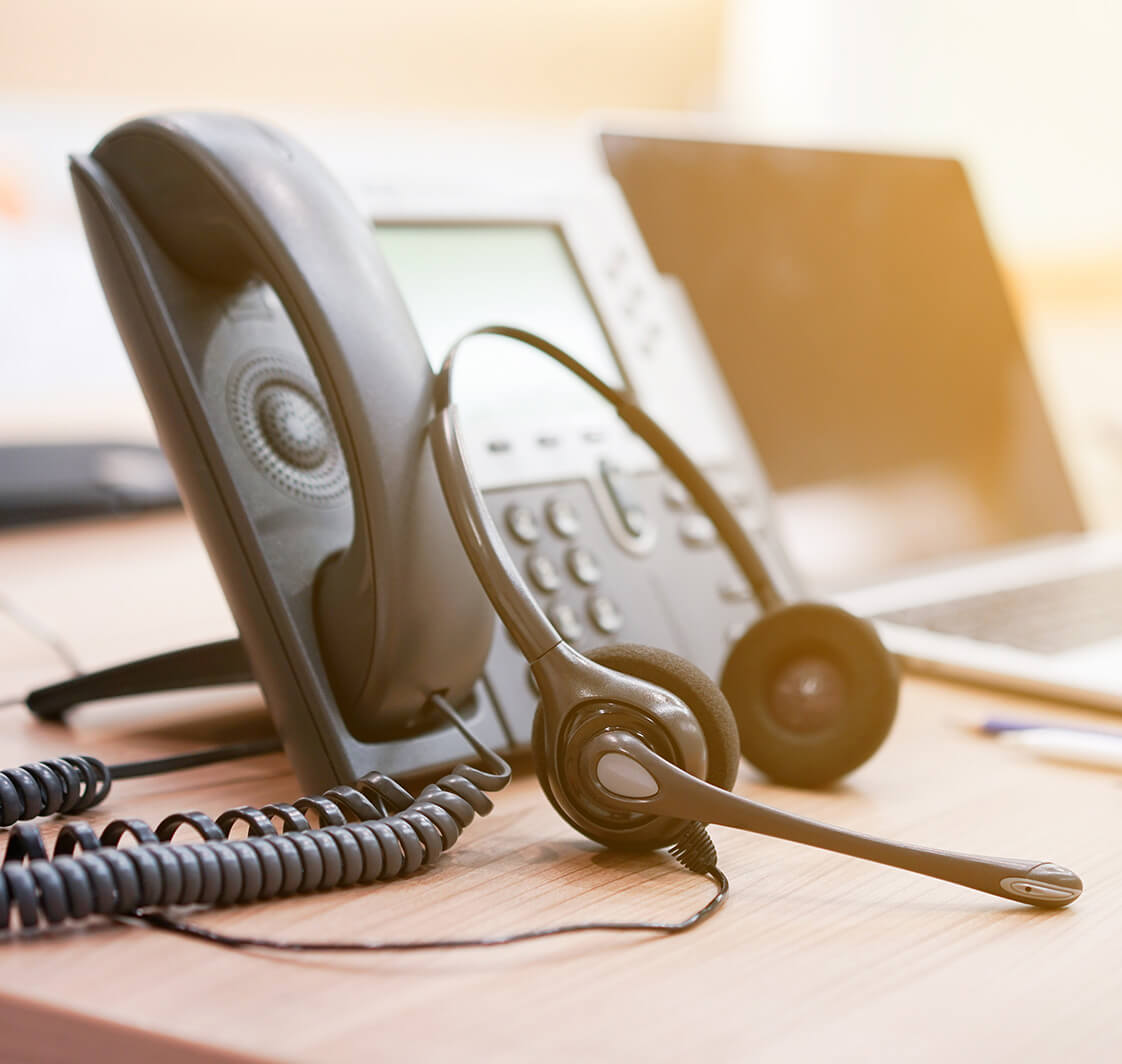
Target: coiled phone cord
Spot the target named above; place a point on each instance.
(77, 782)
(391, 834)
(373, 830)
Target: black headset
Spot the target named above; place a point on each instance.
(633, 744)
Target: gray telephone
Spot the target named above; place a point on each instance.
(285, 343)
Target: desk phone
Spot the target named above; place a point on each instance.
(335, 603)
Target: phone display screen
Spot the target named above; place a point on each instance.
(456, 277)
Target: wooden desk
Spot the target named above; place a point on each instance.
(815, 957)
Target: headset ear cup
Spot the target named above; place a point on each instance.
(684, 679)
(814, 692)
(692, 686)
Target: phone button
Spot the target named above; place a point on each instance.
(522, 524)
(631, 514)
(676, 496)
(735, 589)
(605, 614)
(735, 631)
(635, 520)
(566, 621)
(698, 531)
(562, 518)
(543, 573)
(584, 566)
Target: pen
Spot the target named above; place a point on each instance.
(998, 726)
(1079, 747)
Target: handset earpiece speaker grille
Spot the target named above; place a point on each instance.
(281, 421)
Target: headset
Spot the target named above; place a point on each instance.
(633, 745)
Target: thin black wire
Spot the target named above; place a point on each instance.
(37, 630)
(176, 762)
(128, 769)
(216, 938)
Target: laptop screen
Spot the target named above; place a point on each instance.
(857, 312)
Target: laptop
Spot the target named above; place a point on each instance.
(858, 314)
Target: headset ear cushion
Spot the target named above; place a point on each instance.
(692, 686)
(814, 692)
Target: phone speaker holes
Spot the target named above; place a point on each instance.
(282, 423)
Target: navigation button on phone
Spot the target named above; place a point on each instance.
(632, 516)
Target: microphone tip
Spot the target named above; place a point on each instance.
(1046, 885)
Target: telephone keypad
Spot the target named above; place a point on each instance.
(689, 599)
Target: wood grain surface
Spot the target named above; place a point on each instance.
(815, 957)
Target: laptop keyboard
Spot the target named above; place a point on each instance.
(1046, 618)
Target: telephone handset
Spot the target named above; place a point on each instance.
(292, 397)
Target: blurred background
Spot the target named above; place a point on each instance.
(1025, 92)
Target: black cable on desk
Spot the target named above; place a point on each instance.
(177, 762)
(162, 922)
(37, 630)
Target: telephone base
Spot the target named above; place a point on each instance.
(205, 665)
